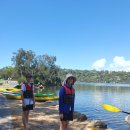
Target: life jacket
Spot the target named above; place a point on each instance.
(29, 91)
(69, 94)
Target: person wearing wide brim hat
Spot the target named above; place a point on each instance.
(69, 76)
(66, 101)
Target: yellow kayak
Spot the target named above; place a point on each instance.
(13, 89)
(18, 97)
(46, 98)
(13, 96)
(2, 89)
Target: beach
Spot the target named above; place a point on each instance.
(44, 117)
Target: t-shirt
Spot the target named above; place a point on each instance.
(27, 101)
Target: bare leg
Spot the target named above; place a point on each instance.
(63, 125)
(24, 120)
(27, 116)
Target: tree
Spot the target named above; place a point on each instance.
(42, 67)
(7, 72)
(24, 61)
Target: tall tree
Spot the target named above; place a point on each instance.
(24, 61)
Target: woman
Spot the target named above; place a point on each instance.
(66, 101)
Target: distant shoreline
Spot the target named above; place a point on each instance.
(105, 84)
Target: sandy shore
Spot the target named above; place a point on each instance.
(43, 117)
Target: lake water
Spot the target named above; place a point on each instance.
(90, 97)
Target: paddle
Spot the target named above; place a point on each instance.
(113, 108)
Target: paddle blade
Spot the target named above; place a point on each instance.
(111, 108)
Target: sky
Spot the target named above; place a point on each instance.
(82, 34)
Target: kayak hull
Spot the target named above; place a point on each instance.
(17, 96)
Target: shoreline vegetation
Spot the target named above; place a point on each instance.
(45, 71)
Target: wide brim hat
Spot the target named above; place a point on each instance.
(69, 76)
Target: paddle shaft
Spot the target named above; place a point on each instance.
(125, 112)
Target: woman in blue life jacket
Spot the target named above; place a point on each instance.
(28, 102)
(66, 101)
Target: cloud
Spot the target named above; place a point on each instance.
(99, 64)
(119, 63)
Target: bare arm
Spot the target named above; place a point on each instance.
(33, 97)
(22, 98)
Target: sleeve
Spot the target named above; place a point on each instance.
(72, 106)
(33, 93)
(61, 97)
(22, 90)
(23, 87)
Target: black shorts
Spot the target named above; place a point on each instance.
(28, 107)
(67, 116)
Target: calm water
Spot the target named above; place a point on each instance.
(90, 97)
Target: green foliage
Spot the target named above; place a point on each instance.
(24, 61)
(21, 79)
(44, 70)
(42, 67)
(7, 72)
(97, 76)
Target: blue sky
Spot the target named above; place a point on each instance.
(82, 34)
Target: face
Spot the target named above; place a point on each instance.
(28, 79)
(70, 80)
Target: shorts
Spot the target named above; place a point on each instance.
(67, 116)
(28, 107)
